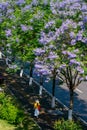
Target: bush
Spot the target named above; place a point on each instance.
(66, 125)
(9, 111)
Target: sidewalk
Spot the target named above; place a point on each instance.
(28, 94)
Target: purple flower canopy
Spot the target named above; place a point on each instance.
(53, 35)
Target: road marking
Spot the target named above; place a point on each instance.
(79, 90)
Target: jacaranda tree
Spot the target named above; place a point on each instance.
(64, 41)
(25, 21)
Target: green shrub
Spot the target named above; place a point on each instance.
(9, 111)
(12, 70)
(20, 117)
(2, 96)
(66, 125)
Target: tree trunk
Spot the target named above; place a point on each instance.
(71, 105)
(53, 93)
(40, 90)
(30, 81)
(31, 72)
(21, 73)
(41, 85)
(0, 55)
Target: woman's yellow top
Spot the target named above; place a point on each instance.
(36, 105)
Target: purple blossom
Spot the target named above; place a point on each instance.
(62, 4)
(54, 11)
(62, 66)
(4, 5)
(73, 61)
(85, 19)
(81, 79)
(35, 2)
(27, 7)
(45, 2)
(64, 52)
(52, 55)
(50, 34)
(8, 32)
(80, 23)
(72, 35)
(51, 46)
(49, 24)
(84, 40)
(30, 28)
(39, 51)
(76, 6)
(24, 27)
(86, 77)
(17, 39)
(71, 55)
(37, 66)
(1, 20)
(1, 5)
(80, 70)
(20, 2)
(47, 80)
(84, 7)
(64, 27)
(44, 71)
(43, 39)
(73, 42)
(79, 36)
(41, 69)
(57, 33)
(76, 50)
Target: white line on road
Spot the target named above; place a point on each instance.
(79, 90)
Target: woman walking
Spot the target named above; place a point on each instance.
(37, 108)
